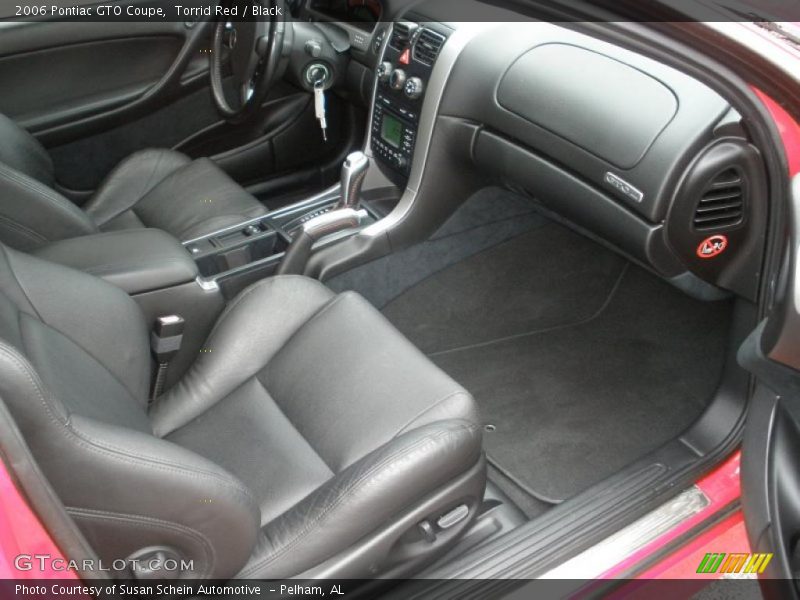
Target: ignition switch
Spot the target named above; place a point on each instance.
(318, 74)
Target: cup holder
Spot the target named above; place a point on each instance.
(230, 257)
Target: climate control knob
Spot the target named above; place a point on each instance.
(398, 79)
(414, 88)
(385, 71)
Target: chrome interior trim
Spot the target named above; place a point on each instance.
(347, 218)
(330, 194)
(208, 285)
(603, 556)
(463, 34)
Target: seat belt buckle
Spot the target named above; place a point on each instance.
(165, 343)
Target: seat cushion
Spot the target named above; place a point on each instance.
(166, 190)
(332, 418)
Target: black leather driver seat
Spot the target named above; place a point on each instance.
(308, 437)
(161, 189)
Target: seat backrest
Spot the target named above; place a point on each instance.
(32, 212)
(23, 152)
(74, 372)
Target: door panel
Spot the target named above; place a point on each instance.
(71, 78)
(94, 93)
(285, 135)
(88, 78)
(83, 163)
(771, 450)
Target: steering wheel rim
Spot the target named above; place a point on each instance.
(255, 51)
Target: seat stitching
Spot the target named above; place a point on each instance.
(225, 313)
(427, 440)
(41, 190)
(88, 353)
(12, 224)
(247, 292)
(109, 450)
(278, 406)
(152, 523)
(143, 191)
(428, 409)
(164, 260)
(309, 526)
(18, 282)
(48, 324)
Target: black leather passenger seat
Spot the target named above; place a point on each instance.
(308, 437)
(155, 188)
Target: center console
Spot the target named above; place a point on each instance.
(403, 77)
(233, 258)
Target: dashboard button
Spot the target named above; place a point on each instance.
(398, 79)
(414, 88)
(385, 71)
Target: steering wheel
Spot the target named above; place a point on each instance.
(254, 46)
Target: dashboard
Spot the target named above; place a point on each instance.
(363, 13)
(632, 152)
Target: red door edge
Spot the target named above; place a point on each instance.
(23, 538)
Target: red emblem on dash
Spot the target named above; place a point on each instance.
(713, 246)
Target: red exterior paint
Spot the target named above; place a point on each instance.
(728, 536)
(676, 576)
(22, 533)
(788, 129)
(721, 486)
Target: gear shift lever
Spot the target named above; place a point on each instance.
(354, 170)
(346, 215)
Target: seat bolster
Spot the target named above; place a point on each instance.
(131, 180)
(196, 200)
(62, 298)
(190, 503)
(31, 214)
(365, 496)
(114, 478)
(23, 152)
(251, 330)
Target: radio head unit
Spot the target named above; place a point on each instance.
(402, 80)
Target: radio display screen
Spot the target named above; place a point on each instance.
(392, 131)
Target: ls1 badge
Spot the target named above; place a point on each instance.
(623, 186)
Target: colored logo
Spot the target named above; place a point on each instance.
(713, 246)
(733, 563)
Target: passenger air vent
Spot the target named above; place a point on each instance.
(429, 44)
(401, 35)
(722, 204)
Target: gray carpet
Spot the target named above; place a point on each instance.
(581, 361)
(488, 218)
(547, 277)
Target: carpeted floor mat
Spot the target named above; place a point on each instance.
(580, 361)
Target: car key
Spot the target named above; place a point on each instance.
(319, 108)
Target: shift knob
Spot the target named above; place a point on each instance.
(354, 170)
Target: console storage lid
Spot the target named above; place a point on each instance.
(136, 260)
